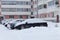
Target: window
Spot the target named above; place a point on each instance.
(8, 9)
(16, 9)
(11, 16)
(45, 5)
(20, 16)
(24, 16)
(8, 3)
(15, 2)
(31, 6)
(31, 13)
(56, 2)
(31, 0)
(51, 3)
(28, 3)
(40, 6)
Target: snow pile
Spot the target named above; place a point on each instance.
(2, 27)
(58, 24)
(37, 33)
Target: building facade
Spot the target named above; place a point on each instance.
(23, 9)
(48, 8)
(16, 9)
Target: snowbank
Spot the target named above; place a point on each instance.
(37, 33)
(2, 27)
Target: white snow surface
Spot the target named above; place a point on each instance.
(2, 28)
(38, 33)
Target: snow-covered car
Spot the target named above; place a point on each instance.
(31, 23)
(5, 21)
(11, 24)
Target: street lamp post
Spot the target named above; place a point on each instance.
(37, 8)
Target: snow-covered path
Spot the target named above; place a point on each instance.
(37, 33)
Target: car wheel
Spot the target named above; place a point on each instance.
(22, 27)
(33, 26)
(6, 25)
(18, 28)
(12, 28)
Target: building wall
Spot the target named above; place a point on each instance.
(0, 7)
(15, 8)
(51, 10)
(40, 9)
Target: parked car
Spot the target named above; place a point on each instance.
(31, 23)
(12, 23)
(5, 21)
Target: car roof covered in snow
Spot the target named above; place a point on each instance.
(34, 20)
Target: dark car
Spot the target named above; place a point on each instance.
(28, 25)
(31, 23)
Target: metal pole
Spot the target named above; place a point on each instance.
(57, 18)
(31, 8)
(0, 7)
(37, 8)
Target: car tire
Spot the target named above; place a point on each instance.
(22, 27)
(12, 28)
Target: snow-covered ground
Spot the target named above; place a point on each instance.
(38, 33)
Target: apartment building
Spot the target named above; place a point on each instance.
(16, 9)
(48, 8)
(23, 9)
